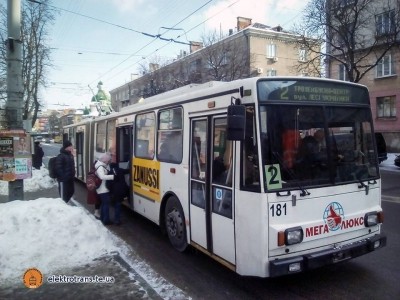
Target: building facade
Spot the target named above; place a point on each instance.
(254, 50)
(377, 41)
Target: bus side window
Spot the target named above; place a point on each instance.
(170, 135)
(222, 174)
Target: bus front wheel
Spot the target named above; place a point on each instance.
(175, 224)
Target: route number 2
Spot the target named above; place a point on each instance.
(273, 176)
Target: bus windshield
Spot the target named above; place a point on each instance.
(308, 145)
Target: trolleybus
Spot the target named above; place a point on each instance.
(268, 176)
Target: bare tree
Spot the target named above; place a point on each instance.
(357, 34)
(35, 21)
(151, 69)
(3, 55)
(225, 60)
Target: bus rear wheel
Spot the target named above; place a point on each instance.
(175, 224)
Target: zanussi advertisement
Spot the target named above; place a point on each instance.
(146, 178)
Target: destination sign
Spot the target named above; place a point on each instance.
(309, 91)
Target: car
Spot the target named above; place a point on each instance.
(397, 161)
(381, 147)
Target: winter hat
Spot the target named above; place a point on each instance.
(105, 158)
(66, 144)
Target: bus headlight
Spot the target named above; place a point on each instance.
(373, 218)
(293, 235)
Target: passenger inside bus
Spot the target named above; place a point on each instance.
(312, 157)
(290, 144)
(171, 148)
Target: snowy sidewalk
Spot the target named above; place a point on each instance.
(127, 285)
(67, 243)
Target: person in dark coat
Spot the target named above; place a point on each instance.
(118, 189)
(65, 171)
(37, 157)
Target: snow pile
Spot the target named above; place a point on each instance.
(48, 234)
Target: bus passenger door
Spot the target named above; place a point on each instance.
(79, 148)
(211, 193)
(123, 154)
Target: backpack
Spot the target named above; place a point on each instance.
(52, 167)
(93, 181)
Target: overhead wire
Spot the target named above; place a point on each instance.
(155, 51)
(154, 36)
(106, 22)
(135, 53)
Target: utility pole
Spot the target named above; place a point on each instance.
(14, 83)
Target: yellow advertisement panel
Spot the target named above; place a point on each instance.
(146, 178)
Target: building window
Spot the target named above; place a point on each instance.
(342, 72)
(195, 66)
(386, 107)
(345, 3)
(224, 59)
(385, 67)
(385, 23)
(271, 51)
(271, 72)
(302, 55)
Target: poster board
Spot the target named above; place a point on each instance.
(15, 155)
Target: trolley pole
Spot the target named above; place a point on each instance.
(14, 83)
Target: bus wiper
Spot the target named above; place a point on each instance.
(304, 192)
(362, 184)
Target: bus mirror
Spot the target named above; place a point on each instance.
(236, 122)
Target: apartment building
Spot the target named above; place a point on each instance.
(249, 50)
(376, 42)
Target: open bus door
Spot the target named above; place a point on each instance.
(211, 193)
(124, 154)
(79, 148)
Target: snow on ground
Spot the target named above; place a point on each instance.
(389, 163)
(50, 235)
(40, 181)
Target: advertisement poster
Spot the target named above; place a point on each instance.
(8, 169)
(6, 147)
(23, 168)
(15, 155)
(22, 146)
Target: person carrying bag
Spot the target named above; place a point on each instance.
(118, 189)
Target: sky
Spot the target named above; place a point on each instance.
(33, 234)
(108, 40)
